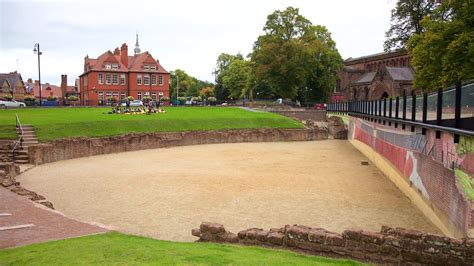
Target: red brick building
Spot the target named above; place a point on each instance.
(374, 77)
(118, 75)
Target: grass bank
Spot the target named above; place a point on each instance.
(116, 248)
(57, 123)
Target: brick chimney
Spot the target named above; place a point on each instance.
(29, 80)
(117, 51)
(124, 54)
(63, 85)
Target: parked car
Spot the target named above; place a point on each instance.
(134, 103)
(11, 104)
(320, 106)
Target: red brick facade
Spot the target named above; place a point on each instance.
(118, 75)
(374, 77)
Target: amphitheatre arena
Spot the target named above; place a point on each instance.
(164, 193)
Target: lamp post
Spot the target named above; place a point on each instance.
(37, 51)
(177, 90)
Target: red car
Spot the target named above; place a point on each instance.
(320, 106)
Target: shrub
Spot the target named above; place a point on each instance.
(52, 98)
(112, 99)
(164, 99)
(29, 98)
(196, 99)
(212, 99)
(73, 98)
(182, 99)
(8, 97)
(130, 98)
(146, 99)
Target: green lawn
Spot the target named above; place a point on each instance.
(467, 183)
(116, 248)
(57, 123)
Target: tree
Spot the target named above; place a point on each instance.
(406, 21)
(188, 85)
(443, 52)
(238, 78)
(206, 91)
(294, 54)
(223, 62)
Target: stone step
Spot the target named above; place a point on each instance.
(22, 161)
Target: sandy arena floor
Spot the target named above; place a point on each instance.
(164, 193)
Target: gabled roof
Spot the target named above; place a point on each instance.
(401, 73)
(366, 78)
(12, 79)
(107, 57)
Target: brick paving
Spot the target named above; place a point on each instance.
(48, 224)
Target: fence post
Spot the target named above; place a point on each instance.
(384, 109)
(457, 110)
(397, 106)
(380, 110)
(413, 111)
(404, 112)
(390, 112)
(425, 112)
(439, 110)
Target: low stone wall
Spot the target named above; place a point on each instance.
(82, 147)
(390, 245)
(302, 114)
(337, 128)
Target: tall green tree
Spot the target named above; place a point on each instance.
(188, 85)
(444, 51)
(294, 57)
(238, 78)
(223, 63)
(406, 21)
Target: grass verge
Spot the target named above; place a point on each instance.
(116, 248)
(467, 183)
(56, 123)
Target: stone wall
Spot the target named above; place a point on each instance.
(302, 114)
(426, 163)
(337, 128)
(390, 245)
(81, 147)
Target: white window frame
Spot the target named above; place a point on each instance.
(153, 67)
(139, 95)
(101, 78)
(146, 67)
(115, 79)
(153, 79)
(153, 96)
(115, 94)
(107, 66)
(122, 79)
(122, 95)
(146, 79)
(115, 66)
(161, 94)
(139, 79)
(108, 79)
(101, 95)
(147, 93)
(160, 80)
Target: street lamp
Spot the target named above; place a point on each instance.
(38, 52)
(177, 89)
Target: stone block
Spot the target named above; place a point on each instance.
(387, 230)
(231, 238)
(253, 232)
(275, 238)
(196, 232)
(242, 234)
(408, 233)
(262, 235)
(213, 228)
(288, 241)
(372, 237)
(334, 239)
(317, 236)
(389, 250)
(297, 231)
(437, 240)
(352, 234)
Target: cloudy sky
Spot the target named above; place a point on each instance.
(188, 35)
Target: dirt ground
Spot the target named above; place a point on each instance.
(164, 193)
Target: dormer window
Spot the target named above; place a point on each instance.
(153, 67)
(146, 67)
(107, 66)
(115, 66)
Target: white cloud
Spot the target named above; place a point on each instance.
(182, 34)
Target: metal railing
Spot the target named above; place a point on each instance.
(19, 142)
(450, 110)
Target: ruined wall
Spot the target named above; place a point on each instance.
(427, 164)
(390, 245)
(81, 147)
(303, 114)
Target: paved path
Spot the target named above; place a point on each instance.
(164, 193)
(24, 222)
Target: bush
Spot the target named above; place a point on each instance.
(112, 99)
(212, 99)
(130, 98)
(8, 97)
(196, 99)
(52, 98)
(164, 99)
(29, 98)
(182, 99)
(146, 99)
(73, 98)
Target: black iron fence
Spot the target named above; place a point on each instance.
(450, 110)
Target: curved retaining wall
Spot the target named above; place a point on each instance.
(389, 246)
(82, 147)
(422, 167)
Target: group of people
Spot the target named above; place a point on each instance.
(149, 108)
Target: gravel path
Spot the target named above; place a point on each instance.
(164, 193)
